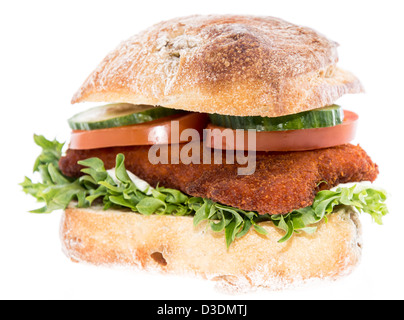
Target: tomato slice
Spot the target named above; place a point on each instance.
(154, 132)
(291, 140)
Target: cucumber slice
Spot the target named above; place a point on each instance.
(318, 118)
(117, 115)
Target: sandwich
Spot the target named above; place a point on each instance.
(216, 150)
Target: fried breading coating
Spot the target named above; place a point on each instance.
(282, 181)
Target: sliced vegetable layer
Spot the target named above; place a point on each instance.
(290, 140)
(319, 118)
(117, 115)
(163, 131)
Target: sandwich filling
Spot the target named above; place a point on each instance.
(298, 159)
(281, 183)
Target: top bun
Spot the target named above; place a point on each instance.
(233, 65)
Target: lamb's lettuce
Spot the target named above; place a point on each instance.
(116, 189)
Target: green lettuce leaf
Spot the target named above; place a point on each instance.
(118, 190)
(55, 189)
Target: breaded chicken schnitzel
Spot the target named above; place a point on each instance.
(281, 182)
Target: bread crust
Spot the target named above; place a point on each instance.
(170, 244)
(226, 64)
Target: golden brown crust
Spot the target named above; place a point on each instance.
(281, 182)
(171, 244)
(238, 65)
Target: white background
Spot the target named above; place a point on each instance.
(47, 49)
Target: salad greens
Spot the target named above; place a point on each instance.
(117, 189)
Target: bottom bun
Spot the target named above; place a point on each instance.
(172, 244)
